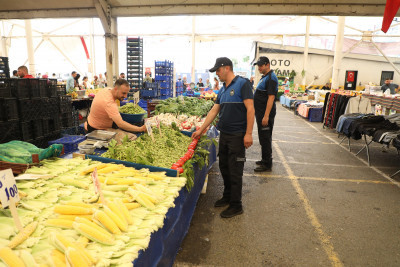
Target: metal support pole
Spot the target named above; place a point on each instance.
(193, 49)
(29, 45)
(3, 50)
(109, 59)
(338, 52)
(305, 57)
(114, 31)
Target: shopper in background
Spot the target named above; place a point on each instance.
(122, 75)
(200, 83)
(54, 76)
(45, 76)
(76, 81)
(148, 78)
(265, 110)
(327, 86)
(286, 84)
(95, 82)
(208, 84)
(23, 72)
(85, 83)
(216, 84)
(69, 87)
(389, 85)
(102, 81)
(185, 83)
(15, 74)
(105, 79)
(236, 118)
(104, 113)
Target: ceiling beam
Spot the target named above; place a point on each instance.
(334, 8)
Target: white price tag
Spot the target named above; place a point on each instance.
(158, 126)
(149, 130)
(97, 187)
(8, 188)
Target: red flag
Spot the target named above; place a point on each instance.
(392, 6)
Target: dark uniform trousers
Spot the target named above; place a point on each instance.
(264, 133)
(232, 155)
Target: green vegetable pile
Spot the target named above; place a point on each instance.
(163, 152)
(185, 105)
(131, 108)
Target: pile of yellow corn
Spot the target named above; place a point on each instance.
(66, 225)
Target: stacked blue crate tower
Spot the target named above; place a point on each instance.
(164, 71)
(31, 111)
(134, 62)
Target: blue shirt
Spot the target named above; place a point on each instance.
(70, 84)
(233, 112)
(269, 83)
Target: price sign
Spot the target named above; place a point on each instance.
(158, 126)
(97, 187)
(8, 188)
(149, 130)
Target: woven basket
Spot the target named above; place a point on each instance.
(18, 168)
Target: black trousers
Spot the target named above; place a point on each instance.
(264, 133)
(232, 155)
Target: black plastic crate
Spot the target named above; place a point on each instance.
(5, 90)
(37, 127)
(9, 131)
(40, 142)
(20, 88)
(26, 131)
(54, 124)
(50, 106)
(61, 89)
(43, 88)
(34, 88)
(8, 109)
(45, 126)
(52, 88)
(66, 120)
(30, 109)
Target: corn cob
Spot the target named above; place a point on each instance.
(78, 204)
(72, 217)
(10, 258)
(93, 234)
(145, 202)
(120, 223)
(58, 258)
(106, 221)
(124, 210)
(92, 225)
(91, 168)
(61, 243)
(131, 206)
(66, 224)
(82, 241)
(110, 168)
(76, 183)
(23, 235)
(114, 207)
(107, 180)
(155, 177)
(75, 258)
(68, 209)
(27, 258)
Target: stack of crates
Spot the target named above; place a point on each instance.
(149, 91)
(4, 68)
(179, 88)
(134, 62)
(164, 71)
(31, 111)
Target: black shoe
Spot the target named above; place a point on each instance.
(263, 168)
(260, 162)
(231, 211)
(221, 202)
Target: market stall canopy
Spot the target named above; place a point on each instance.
(28, 9)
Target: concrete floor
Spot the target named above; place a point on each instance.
(321, 205)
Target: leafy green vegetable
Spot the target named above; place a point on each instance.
(131, 108)
(163, 152)
(185, 105)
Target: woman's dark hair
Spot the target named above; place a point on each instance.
(77, 76)
(85, 77)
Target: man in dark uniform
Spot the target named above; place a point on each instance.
(236, 118)
(265, 109)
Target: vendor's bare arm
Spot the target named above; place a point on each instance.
(209, 119)
(248, 140)
(270, 104)
(127, 126)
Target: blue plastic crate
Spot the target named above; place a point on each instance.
(165, 85)
(165, 91)
(69, 142)
(149, 93)
(148, 85)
